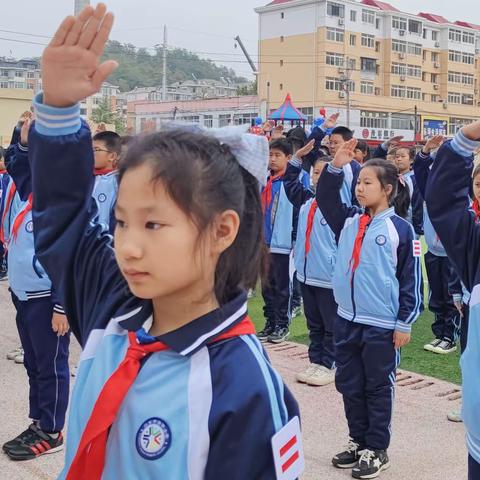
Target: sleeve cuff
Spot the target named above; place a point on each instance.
(58, 309)
(423, 156)
(22, 148)
(464, 146)
(52, 121)
(295, 162)
(334, 170)
(457, 297)
(403, 327)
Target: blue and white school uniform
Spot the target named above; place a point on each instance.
(215, 387)
(382, 295)
(105, 192)
(448, 203)
(45, 353)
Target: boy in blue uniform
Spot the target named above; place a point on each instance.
(164, 315)
(41, 323)
(448, 204)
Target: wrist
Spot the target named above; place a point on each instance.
(51, 101)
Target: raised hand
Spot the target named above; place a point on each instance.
(472, 131)
(71, 68)
(345, 154)
(27, 122)
(331, 121)
(305, 150)
(433, 143)
(394, 141)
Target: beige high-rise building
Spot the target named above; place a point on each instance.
(377, 65)
(79, 5)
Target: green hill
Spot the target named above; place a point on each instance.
(144, 68)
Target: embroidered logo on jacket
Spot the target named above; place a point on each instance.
(417, 248)
(29, 226)
(323, 221)
(153, 439)
(381, 240)
(102, 198)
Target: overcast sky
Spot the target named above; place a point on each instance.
(201, 26)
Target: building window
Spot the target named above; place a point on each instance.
(333, 84)
(468, 79)
(3, 84)
(308, 111)
(399, 23)
(224, 120)
(403, 122)
(281, 86)
(368, 17)
(415, 27)
(281, 63)
(455, 124)
(468, 58)
(467, 99)
(208, 121)
(414, 48)
(468, 37)
(335, 35)
(368, 65)
(434, 98)
(366, 88)
(398, 91)
(19, 85)
(282, 15)
(244, 118)
(434, 77)
(377, 23)
(454, 77)
(455, 35)
(353, 15)
(399, 46)
(414, 71)
(282, 39)
(454, 97)
(425, 33)
(373, 119)
(368, 40)
(335, 10)
(414, 93)
(335, 59)
(31, 75)
(353, 40)
(435, 57)
(399, 69)
(435, 35)
(455, 56)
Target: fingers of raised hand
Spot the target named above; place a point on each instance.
(91, 28)
(78, 25)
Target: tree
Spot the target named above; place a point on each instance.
(104, 114)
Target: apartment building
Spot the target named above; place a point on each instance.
(380, 67)
(22, 74)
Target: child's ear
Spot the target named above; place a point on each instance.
(225, 230)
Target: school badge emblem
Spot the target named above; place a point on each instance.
(153, 439)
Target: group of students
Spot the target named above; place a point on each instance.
(41, 322)
(173, 382)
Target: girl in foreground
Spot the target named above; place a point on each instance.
(172, 382)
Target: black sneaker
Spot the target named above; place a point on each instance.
(445, 347)
(370, 464)
(279, 335)
(297, 311)
(24, 436)
(266, 332)
(349, 457)
(38, 444)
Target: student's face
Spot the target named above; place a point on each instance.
(336, 141)
(402, 160)
(278, 161)
(104, 158)
(316, 172)
(359, 156)
(391, 158)
(369, 191)
(157, 245)
(476, 187)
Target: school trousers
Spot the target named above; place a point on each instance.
(321, 313)
(366, 362)
(473, 469)
(447, 319)
(46, 362)
(276, 291)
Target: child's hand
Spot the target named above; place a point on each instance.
(459, 307)
(331, 121)
(27, 122)
(472, 131)
(305, 150)
(345, 154)
(71, 69)
(60, 324)
(433, 143)
(400, 339)
(394, 141)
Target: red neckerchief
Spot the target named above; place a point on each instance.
(89, 460)
(8, 203)
(363, 223)
(102, 171)
(21, 217)
(310, 218)
(2, 172)
(476, 209)
(267, 191)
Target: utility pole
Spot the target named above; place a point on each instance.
(247, 56)
(164, 80)
(416, 136)
(345, 85)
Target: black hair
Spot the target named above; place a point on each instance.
(387, 174)
(297, 137)
(344, 132)
(323, 158)
(125, 139)
(204, 178)
(281, 144)
(476, 171)
(364, 148)
(111, 139)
